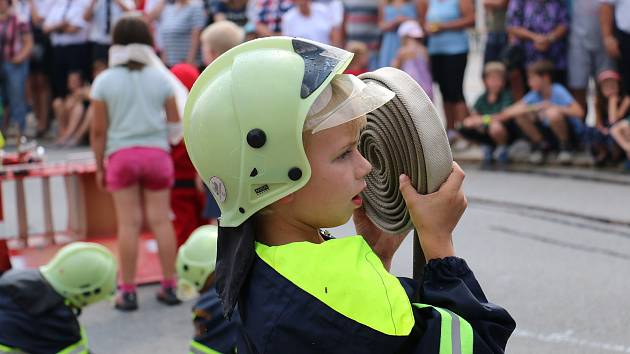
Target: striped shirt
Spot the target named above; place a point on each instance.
(176, 26)
(362, 24)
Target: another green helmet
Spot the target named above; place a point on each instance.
(196, 260)
(244, 118)
(82, 272)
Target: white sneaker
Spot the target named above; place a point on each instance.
(536, 157)
(565, 157)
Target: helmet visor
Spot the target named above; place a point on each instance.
(345, 99)
(320, 61)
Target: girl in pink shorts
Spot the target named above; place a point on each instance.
(133, 103)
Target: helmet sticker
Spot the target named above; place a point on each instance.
(218, 189)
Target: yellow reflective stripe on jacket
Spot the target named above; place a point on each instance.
(347, 276)
(80, 347)
(456, 335)
(198, 348)
(5, 349)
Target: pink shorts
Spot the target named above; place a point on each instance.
(152, 168)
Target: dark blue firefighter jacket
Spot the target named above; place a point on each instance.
(279, 317)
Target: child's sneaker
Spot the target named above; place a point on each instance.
(626, 166)
(537, 157)
(565, 157)
(167, 296)
(487, 156)
(127, 301)
(501, 155)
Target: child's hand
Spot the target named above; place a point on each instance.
(100, 179)
(473, 121)
(382, 243)
(435, 215)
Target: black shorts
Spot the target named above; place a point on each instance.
(67, 59)
(575, 137)
(482, 135)
(41, 55)
(100, 52)
(448, 71)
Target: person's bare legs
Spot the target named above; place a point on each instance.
(157, 209)
(498, 133)
(580, 98)
(558, 125)
(128, 205)
(60, 115)
(455, 113)
(449, 112)
(75, 117)
(460, 111)
(82, 130)
(517, 85)
(41, 100)
(526, 122)
(621, 133)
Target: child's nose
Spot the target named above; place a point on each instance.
(365, 168)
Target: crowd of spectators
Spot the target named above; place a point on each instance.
(51, 50)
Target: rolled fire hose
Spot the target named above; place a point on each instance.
(405, 135)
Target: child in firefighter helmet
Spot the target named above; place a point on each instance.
(195, 266)
(39, 308)
(272, 128)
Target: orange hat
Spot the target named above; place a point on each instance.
(186, 73)
(608, 74)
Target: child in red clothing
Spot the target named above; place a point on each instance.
(187, 201)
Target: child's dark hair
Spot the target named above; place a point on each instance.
(541, 68)
(132, 29)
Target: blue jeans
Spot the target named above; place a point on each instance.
(13, 86)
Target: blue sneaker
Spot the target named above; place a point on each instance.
(501, 155)
(487, 155)
(626, 165)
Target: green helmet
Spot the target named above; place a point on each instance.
(244, 118)
(82, 272)
(196, 260)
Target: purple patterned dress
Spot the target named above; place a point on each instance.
(541, 16)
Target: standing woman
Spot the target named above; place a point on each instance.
(181, 23)
(445, 23)
(391, 13)
(16, 43)
(540, 28)
(129, 137)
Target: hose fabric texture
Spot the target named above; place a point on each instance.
(405, 135)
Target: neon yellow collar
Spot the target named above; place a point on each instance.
(348, 276)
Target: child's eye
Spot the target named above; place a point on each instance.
(345, 154)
